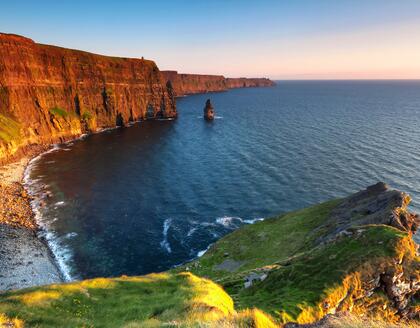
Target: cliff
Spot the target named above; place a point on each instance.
(184, 84)
(49, 94)
(352, 255)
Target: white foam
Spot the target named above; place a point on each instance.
(61, 203)
(227, 221)
(35, 189)
(165, 243)
(201, 253)
(71, 235)
(216, 117)
(192, 230)
(253, 220)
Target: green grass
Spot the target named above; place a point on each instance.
(86, 116)
(58, 111)
(303, 281)
(300, 271)
(153, 300)
(266, 242)
(9, 129)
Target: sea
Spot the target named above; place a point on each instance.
(152, 196)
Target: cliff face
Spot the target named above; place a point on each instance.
(184, 84)
(49, 94)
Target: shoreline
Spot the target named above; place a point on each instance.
(26, 259)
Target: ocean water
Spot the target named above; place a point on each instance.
(149, 197)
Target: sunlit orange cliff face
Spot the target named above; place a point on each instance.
(49, 94)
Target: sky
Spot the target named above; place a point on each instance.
(280, 39)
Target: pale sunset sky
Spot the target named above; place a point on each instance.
(294, 39)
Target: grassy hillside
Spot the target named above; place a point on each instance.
(296, 278)
(263, 243)
(262, 275)
(155, 300)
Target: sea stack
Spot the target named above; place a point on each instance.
(209, 111)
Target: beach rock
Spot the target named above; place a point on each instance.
(25, 259)
(209, 111)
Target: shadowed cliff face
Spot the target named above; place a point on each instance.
(184, 84)
(49, 94)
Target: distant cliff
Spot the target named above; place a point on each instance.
(184, 84)
(49, 94)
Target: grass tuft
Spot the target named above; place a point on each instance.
(153, 300)
(58, 111)
(86, 116)
(9, 129)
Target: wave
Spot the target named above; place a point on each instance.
(166, 119)
(191, 231)
(71, 235)
(201, 253)
(216, 117)
(165, 243)
(61, 255)
(228, 221)
(252, 221)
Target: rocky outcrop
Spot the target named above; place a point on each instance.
(377, 204)
(184, 84)
(49, 94)
(208, 111)
(353, 255)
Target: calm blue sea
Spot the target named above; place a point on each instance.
(145, 198)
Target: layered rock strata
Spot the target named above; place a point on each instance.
(49, 94)
(184, 84)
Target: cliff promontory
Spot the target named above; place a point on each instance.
(184, 84)
(49, 94)
(353, 256)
